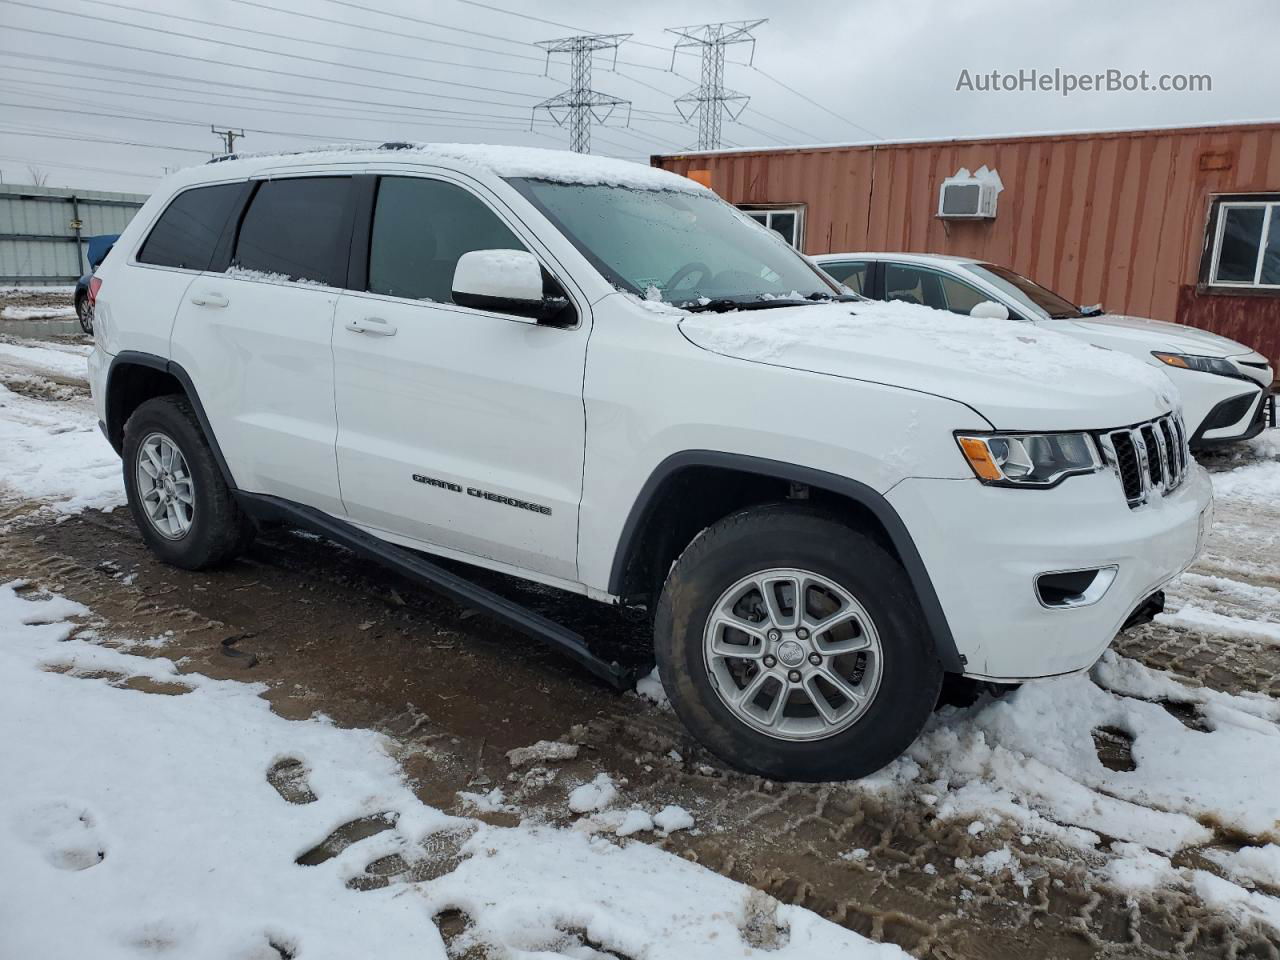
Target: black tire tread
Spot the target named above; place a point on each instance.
(222, 530)
(850, 754)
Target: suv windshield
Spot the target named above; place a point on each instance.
(686, 248)
(1026, 292)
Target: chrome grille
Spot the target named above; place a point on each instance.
(1149, 458)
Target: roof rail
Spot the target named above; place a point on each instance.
(225, 156)
(397, 145)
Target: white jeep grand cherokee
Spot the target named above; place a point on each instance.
(601, 377)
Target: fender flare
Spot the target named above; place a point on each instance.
(138, 358)
(860, 493)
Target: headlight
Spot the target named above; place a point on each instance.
(1029, 459)
(1223, 368)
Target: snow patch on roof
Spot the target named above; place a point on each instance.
(535, 163)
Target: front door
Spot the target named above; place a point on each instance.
(458, 428)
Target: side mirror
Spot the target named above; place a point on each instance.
(990, 310)
(505, 281)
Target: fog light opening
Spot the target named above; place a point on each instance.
(1074, 588)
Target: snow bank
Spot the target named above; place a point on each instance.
(133, 823)
(64, 360)
(37, 313)
(1259, 482)
(1029, 763)
(55, 453)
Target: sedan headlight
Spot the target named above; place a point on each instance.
(1029, 459)
(1223, 368)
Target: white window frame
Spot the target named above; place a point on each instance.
(769, 210)
(1270, 211)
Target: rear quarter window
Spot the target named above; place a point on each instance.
(187, 232)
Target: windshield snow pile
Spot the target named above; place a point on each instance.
(1006, 348)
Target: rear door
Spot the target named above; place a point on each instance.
(255, 334)
(457, 427)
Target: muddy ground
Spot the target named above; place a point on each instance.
(330, 633)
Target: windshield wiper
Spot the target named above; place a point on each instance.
(725, 304)
(835, 297)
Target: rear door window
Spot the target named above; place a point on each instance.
(420, 229)
(188, 230)
(297, 229)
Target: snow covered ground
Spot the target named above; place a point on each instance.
(140, 817)
(214, 828)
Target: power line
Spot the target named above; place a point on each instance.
(237, 86)
(29, 132)
(815, 103)
(711, 101)
(319, 43)
(251, 48)
(76, 166)
(391, 33)
(459, 119)
(580, 104)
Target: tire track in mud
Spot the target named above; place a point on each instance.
(327, 633)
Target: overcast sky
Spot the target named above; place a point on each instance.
(80, 72)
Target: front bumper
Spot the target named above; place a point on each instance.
(984, 547)
(1225, 424)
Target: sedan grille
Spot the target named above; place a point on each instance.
(1149, 458)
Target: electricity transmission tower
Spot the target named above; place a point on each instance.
(710, 101)
(229, 137)
(579, 105)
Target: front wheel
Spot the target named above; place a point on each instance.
(793, 647)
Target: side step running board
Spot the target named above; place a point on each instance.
(414, 567)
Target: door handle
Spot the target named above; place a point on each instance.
(374, 326)
(209, 298)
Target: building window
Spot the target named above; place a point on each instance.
(787, 222)
(1246, 243)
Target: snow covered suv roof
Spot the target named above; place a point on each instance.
(502, 161)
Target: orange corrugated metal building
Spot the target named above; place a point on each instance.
(1128, 219)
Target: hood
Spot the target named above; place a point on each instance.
(1017, 376)
(1146, 335)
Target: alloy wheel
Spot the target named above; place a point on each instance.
(165, 487)
(792, 654)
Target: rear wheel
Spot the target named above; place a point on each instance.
(84, 310)
(793, 646)
(177, 495)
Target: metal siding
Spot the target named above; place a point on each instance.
(27, 212)
(1116, 217)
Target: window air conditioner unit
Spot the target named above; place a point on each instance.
(969, 196)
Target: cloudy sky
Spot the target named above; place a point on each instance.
(107, 94)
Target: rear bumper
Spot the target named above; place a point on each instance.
(984, 548)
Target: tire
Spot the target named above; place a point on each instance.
(84, 310)
(216, 529)
(896, 671)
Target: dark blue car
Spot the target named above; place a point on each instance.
(99, 247)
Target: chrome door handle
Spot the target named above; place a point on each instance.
(374, 326)
(208, 298)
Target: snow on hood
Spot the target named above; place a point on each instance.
(561, 166)
(1016, 375)
(1162, 335)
